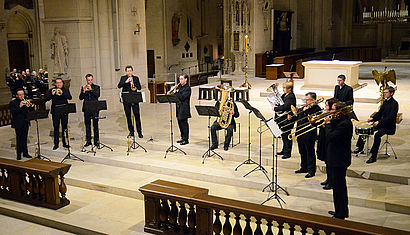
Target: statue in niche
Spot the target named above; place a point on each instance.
(175, 29)
(59, 52)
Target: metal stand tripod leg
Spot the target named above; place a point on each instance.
(38, 155)
(209, 152)
(69, 154)
(249, 160)
(134, 144)
(387, 143)
(273, 185)
(259, 166)
(172, 148)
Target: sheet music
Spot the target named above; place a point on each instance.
(273, 127)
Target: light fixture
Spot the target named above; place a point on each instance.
(137, 29)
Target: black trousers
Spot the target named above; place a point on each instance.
(87, 120)
(136, 111)
(287, 144)
(184, 128)
(340, 198)
(229, 133)
(57, 119)
(328, 175)
(21, 140)
(376, 142)
(307, 154)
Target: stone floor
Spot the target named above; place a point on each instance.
(104, 189)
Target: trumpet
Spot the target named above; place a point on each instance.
(28, 103)
(88, 87)
(316, 121)
(174, 89)
(133, 87)
(58, 91)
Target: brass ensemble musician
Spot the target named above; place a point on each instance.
(131, 83)
(183, 109)
(384, 121)
(321, 145)
(306, 142)
(289, 99)
(19, 107)
(90, 92)
(338, 154)
(229, 130)
(59, 95)
(344, 93)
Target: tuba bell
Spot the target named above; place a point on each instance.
(59, 91)
(225, 106)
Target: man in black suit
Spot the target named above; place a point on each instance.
(19, 122)
(229, 130)
(289, 99)
(90, 92)
(338, 155)
(58, 96)
(183, 109)
(306, 142)
(384, 121)
(131, 83)
(344, 93)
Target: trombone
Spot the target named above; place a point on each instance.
(300, 119)
(174, 89)
(314, 121)
(295, 110)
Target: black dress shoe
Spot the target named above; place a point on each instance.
(131, 134)
(140, 135)
(226, 148)
(324, 182)
(87, 144)
(214, 146)
(27, 156)
(309, 175)
(18, 157)
(179, 141)
(358, 150)
(285, 156)
(327, 187)
(338, 217)
(280, 153)
(55, 147)
(334, 213)
(301, 171)
(371, 160)
(331, 213)
(184, 142)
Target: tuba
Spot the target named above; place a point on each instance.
(225, 107)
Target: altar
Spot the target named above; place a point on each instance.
(322, 74)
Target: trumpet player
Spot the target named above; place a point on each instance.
(131, 83)
(289, 99)
(183, 109)
(19, 108)
(338, 154)
(306, 142)
(90, 92)
(59, 95)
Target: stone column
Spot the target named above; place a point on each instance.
(384, 38)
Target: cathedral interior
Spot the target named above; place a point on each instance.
(143, 185)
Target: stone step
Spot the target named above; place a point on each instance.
(362, 192)
(87, 180)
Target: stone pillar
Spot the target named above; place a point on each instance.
(384, 38)
(4, 61)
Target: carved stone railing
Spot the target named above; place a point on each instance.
(5, 115)
(172, 208)
(35, 182)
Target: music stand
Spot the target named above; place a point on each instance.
(259, 166)
(94, 107)
(273, 186)
(35, 115)
(66, 109)
(162, 98)
(132, 98)
(208, 111)
(249, 160)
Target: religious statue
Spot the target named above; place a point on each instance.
(175, 29)
(59, 52)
